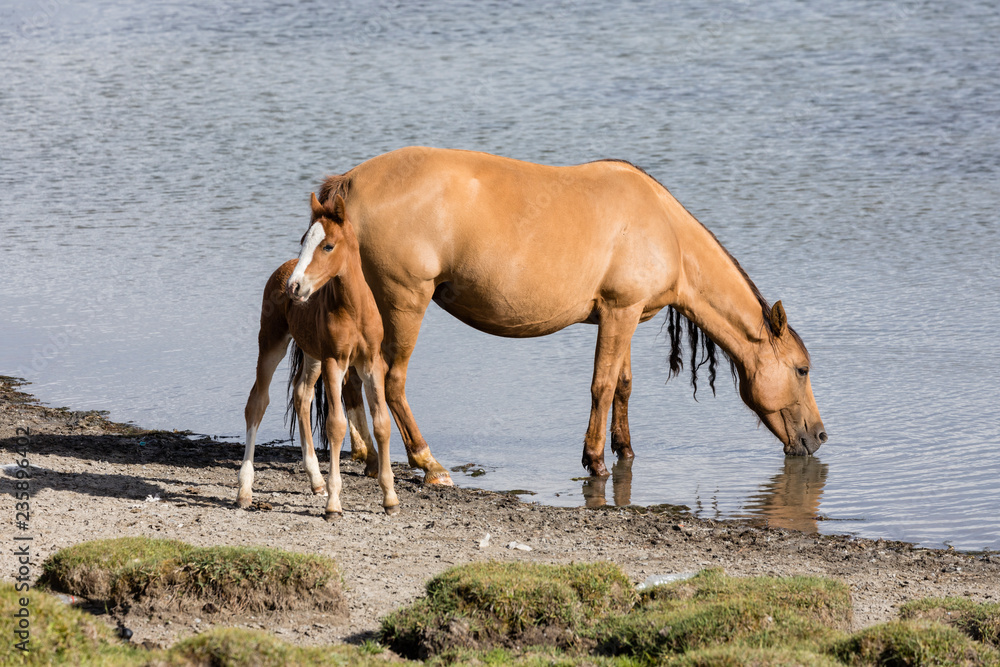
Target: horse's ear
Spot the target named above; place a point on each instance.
(337, 210)
(317, 208)
(779, 321)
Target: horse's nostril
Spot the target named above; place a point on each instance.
(822, 436)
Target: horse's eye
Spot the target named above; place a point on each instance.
(802, 371)
(328, 247)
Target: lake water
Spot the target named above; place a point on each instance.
(156, 160)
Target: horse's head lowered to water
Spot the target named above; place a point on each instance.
(774, 382)
(772, 367)
(325, 249)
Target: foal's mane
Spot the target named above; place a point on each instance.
(696, 337)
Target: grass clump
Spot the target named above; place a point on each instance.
(99, 570)
(980, 621)
(488, 605)
(235, 647)
(711, 610)
(913, 642)
(747, 656)
(137, 570)
(535, 656)
(58, 633)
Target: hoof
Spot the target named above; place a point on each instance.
(623, 451)
(360, 455)
(392, 510)
(319, 491)
(243, 503)
(598, 469)
(441, 478)
(371, 471)
(330, 517)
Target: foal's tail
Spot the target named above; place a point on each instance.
(296, 357)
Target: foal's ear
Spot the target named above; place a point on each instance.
(317, 208)
(337, 209)
(779, 321)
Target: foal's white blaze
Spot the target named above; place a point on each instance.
(313, 238)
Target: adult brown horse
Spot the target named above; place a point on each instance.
(520, 249)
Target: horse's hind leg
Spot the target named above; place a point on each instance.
(271, 349)
(302, 398)
(336, 428)
(621, 440)
(362, 447)
(375, 391)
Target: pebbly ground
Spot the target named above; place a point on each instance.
(95, 479)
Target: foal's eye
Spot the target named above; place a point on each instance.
(328, 247)
(802, 371)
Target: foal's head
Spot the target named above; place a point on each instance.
(326, 248)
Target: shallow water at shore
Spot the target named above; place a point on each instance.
(156, 164)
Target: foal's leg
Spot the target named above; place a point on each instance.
(621, 441)
(271, 349)
(336, 428)
(362, 447)
(613, 335)
(302, 398)
(402, 324)
(375, 391)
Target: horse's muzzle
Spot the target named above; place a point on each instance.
(806, 441)
(296, 294)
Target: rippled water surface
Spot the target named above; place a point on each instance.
(155, 163)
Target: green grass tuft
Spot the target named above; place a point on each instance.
(980, 621)
(130, 570)
(486, 605)
(236, 647)
(59, 634)
(737, 655)
(712, 610)
(913, 643)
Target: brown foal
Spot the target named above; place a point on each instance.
(321, 300)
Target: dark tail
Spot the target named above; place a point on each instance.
(317, 411)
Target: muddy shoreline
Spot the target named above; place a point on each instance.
(97, 479)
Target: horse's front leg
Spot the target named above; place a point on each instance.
(375, 389)
(401, 329)
(614, 332)
(621, 441)
(336, 427)
(302, 398)
(272, 342)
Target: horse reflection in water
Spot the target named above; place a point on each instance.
(595, 488)
(791, 499)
